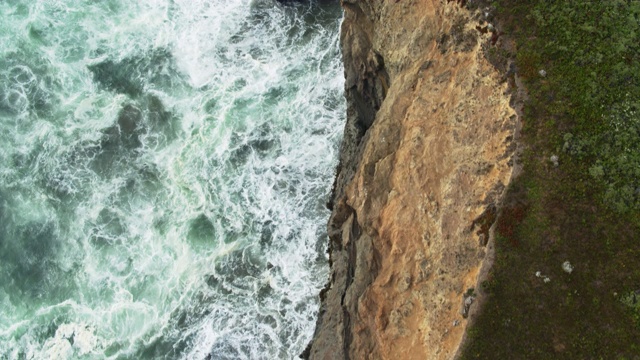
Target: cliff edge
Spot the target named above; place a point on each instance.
(425, 159)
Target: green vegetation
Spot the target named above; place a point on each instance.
(585, 109)
(593, 48)
(615, 154)
(632, 300)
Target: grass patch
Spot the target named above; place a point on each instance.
(586, 111)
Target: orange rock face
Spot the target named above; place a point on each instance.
(427, 150)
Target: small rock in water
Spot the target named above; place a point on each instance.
(567, 267)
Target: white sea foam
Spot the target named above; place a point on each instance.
(70, 340)
(166, 169)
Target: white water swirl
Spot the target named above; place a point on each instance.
(165, 169)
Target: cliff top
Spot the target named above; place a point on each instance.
(577, 200)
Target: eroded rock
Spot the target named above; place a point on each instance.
(426, 152)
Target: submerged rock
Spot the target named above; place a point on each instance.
(127, 129)
(140, 122)
(130, 75)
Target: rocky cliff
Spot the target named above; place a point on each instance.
(426, 156)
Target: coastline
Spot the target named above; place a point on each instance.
(427, 153)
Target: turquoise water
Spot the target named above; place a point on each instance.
(165, 166)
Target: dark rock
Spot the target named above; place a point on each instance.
(366, 85)
(484, 222)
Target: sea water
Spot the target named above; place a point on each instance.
(164, 170)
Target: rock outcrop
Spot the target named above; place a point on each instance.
(426, 156)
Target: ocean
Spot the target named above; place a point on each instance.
(165, 169)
